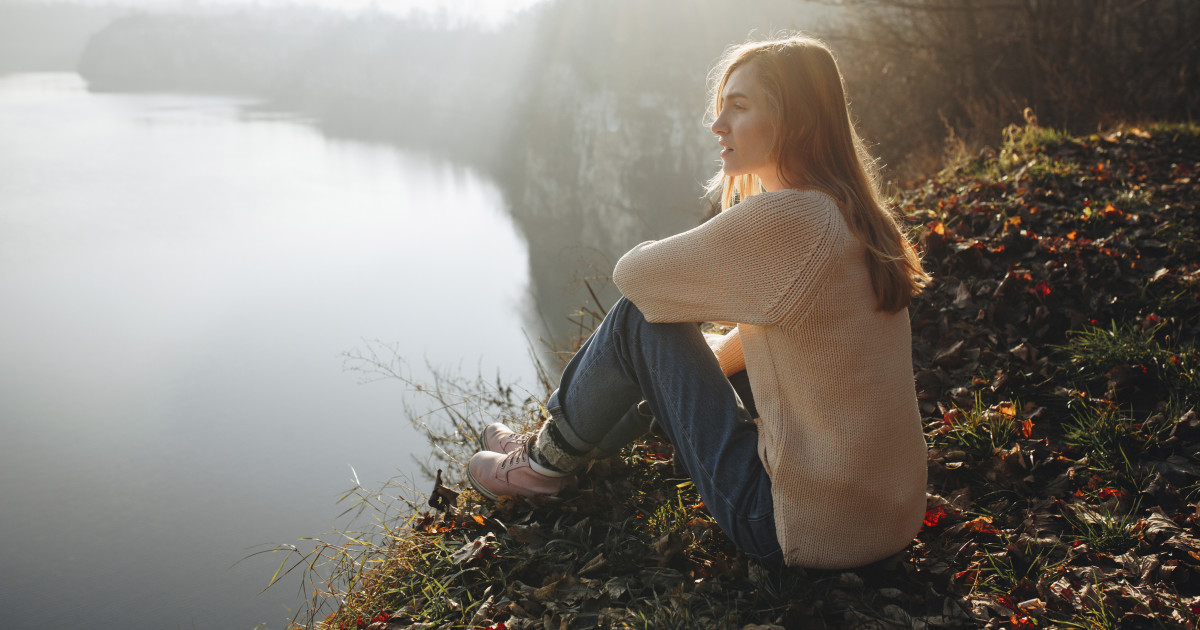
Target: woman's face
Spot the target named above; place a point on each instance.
(746, 128)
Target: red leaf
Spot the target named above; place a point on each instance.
(932, 517)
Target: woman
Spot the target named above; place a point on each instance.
(812, 267)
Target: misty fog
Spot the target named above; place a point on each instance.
(203, 205)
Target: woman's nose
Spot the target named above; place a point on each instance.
(719, 127)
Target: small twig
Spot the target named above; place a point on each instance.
(588, 283)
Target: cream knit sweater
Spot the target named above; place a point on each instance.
(840, 433)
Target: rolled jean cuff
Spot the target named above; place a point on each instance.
(559, 418)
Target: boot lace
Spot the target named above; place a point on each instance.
(514, 458)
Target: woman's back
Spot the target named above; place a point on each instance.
(832, 375)
(841, 432)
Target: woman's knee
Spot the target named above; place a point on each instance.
(626, 311)
(629, 319)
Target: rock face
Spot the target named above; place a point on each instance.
(590, 114)
(608, 171)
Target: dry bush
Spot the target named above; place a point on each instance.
(924, 72)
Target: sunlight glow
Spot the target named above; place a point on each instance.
(485, 12)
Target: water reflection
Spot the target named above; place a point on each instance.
(179, 281)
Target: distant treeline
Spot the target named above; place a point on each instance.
(48, 37)
(921, 72)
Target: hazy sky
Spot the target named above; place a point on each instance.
(486, 11)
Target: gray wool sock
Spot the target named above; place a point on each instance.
(556, 450)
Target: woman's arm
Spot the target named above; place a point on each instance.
(752, 264)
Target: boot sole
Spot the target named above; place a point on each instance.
(492, 495)
(479, 486)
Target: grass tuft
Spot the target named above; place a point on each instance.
(979, 430)
(1108, 530)
(1111, 441)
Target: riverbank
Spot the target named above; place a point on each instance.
(1057, 371)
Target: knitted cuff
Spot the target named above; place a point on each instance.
(556, 450)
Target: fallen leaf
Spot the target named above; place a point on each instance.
(546, 592)
(934, 516)
(473, 549)
(442, 498)
(594, 564)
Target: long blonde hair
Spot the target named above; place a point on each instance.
(817, 147)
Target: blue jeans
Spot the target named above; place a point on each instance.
(628, 359)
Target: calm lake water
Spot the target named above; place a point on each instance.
(179, 279)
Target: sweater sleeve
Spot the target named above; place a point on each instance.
(758, 263)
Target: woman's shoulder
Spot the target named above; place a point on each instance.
(807, 196)
(793, 198)
(807, 206)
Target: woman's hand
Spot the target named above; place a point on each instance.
(715, 341)
(728, 348)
